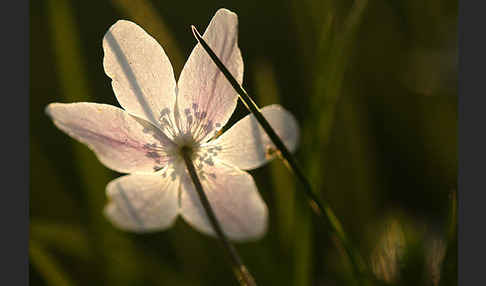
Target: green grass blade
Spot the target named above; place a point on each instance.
(321, 209)
(47, 266)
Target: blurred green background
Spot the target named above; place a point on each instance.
(373, 86)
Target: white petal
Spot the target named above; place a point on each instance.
(141, 73)
(247, 146)
(142, 202)
(234, 198)
(206, 99)
(121, 141)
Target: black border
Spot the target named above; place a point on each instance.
(471, 142)
(15, 146)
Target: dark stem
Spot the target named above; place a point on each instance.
(322, 210)
(242, 274)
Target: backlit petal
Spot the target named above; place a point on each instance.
(121, 141)
(142, 203)
(234, 198)
(247, 146)
(206, 99)
(141, 73)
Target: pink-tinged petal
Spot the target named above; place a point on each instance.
(206, 99)
(142, 202)
(234, 198)
(121, 141)
(247, 146)
(141, 73)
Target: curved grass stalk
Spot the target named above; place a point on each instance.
(321, 208)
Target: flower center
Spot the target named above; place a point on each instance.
(186, 150)
(186, 146)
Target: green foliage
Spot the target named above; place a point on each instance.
(373, 86)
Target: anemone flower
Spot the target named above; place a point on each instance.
(161, 118)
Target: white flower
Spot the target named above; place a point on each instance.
(160, 117)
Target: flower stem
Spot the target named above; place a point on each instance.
(241, 272)
(321, 209)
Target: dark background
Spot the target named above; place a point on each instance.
(373, 86)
